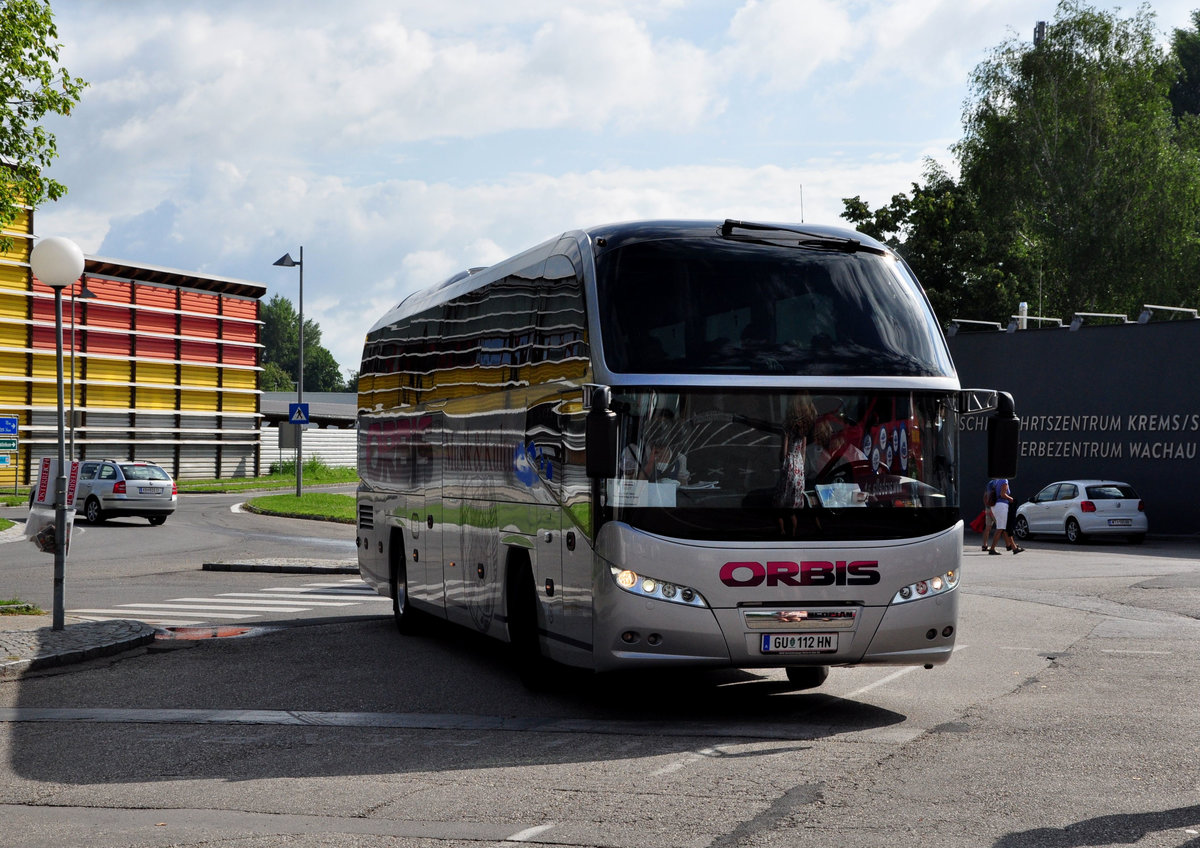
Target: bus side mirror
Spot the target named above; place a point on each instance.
(1004, 438)
(601, 435)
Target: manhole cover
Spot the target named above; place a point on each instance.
(202, 632)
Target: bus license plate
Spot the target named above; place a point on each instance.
(1120, 522)
(799, 643)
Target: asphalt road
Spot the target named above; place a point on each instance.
(125, 561)
(1068, 717)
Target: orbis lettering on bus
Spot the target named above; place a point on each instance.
(808, 573)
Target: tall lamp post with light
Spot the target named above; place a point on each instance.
(58, 262)
(287, 261)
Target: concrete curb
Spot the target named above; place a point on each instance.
(29, 650)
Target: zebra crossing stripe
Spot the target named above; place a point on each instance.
(125, 613)
(281, 599)
(194, 608)
(243, 605)
(349, 599)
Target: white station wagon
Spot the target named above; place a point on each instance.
(109, 488)
(1082, 508)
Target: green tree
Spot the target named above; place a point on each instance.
(32, 84)
(280, 338)
(1185, 91)
(275, 379)
(321, 371)
(935, 229)
(1070, 152)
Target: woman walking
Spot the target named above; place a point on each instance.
(1000, 511)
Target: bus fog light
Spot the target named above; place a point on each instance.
(648, 585)
(688, 595)
(627, 579)
(922, 588)
(668, 590)
(629, 637)
(937, 584)
(906, 592)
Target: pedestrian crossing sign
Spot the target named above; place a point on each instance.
(298, 413)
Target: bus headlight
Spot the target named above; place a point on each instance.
(652, 587)
(928, 588)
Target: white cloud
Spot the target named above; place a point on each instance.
(787, 42)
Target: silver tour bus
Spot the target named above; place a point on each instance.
(673, 443)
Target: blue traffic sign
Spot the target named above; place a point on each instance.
(297, 413)
(8, 425)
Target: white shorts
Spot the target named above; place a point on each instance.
(1000, 511)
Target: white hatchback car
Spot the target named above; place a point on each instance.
(1082, 508)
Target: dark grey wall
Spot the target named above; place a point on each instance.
(1117, 401)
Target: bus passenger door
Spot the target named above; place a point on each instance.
(426, 524)
(425, 555)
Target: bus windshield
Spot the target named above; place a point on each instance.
(716, 306)
(758, 465)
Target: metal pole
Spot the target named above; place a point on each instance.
(300, 384)
(60, 494)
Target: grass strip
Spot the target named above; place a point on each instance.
(320, 506)
(15, 606)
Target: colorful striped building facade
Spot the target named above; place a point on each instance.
(158, 364)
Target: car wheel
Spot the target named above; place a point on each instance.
(92, 511)
(807, 676)
(1074, 534)
(1021, 529)
(156, 520)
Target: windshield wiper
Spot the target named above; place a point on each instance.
(809, 239)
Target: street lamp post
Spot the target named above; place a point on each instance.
(287, 261)
(58, 262)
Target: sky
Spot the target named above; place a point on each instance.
(400, 141)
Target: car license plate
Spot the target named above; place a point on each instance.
(150, 490)
(799, 643)
(1120, 522)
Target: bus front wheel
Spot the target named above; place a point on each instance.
(807, 676)
(531, 665)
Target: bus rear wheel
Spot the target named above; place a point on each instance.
(807, 676)
(402, 611)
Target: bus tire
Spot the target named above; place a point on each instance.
(402, 612)
(806, 676)
(526, 651)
